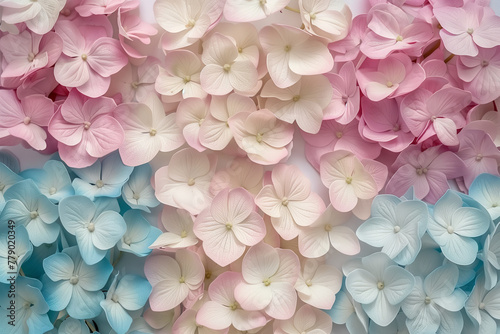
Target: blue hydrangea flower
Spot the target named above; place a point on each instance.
(349, 312)
(20, 250)
(483, 307)
(138, 192)
(139, 235)
(73, 326)
(397, 226)
(95, 232)
(105, 178)
(53, 180)
(380, 286)
(128, 294)
(453, 227)
(486, 190)
(7, 179)
(27, 206)
(30, 308)
(435, 302)
(69, 283)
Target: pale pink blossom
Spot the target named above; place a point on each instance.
(240, 172)
(467, 28)
(426, 171)
(318, 283)
(289, 201)
(344, 105)
(479, 154)
(480, 74)
(330, 19)
(185, 182)
(347, 49)
(185, 22)
(223, 72)
(391, 29)
(98, 7)
(381, 122)
(292, 53)
(147, 131)
(190, 115)
(352, 183)
(214, 132)
(28, 52)
(429, 111)
(328, 229)
(302, 102)
(89, 58)
(39, 16)
(86, 129)
(252, 10)
(307, 320)
(181, 74)
(25, 119)
(334, 136)
(262, 136)
(173, 279)
(178, 225)
(391, 77)
(222, 310)
(269, 277)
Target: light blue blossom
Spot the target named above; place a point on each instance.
(95, 232)
(486, 190)
(349, 312)
(453, 227)
(53, 180)
(7, 179)
(397, 326)
(130, 293)
(14, 250)
(27, 206)
(483, 305)
(69, 283)
(139, 235)
(104, 178)
(435, 302)
(138, 192)
(73, 326)
(30, 313)
(380, 286)
(397, 226)
(490, 255)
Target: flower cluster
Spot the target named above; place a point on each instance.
(60, 251)
(218, 95)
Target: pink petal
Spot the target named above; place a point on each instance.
(253, 297)
(214, 315)
(103, 137)
(284, 301)
(260, 262)
(106, 56)
(309, 58)
(446, 131)
(71, 72)
(65, 132)
(215, 80)
(344, 240)
(487, 35)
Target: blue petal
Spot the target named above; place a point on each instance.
(39, 323)
(138, 192)
(53, 180)
(7, 179)
(486, 190)
(56, 294)
(73, 326)
(94, 277)
(105, 204)
(133, 291)
(25, 191)
(58, 267)
(90, 253)
(84, 304)
(341, 309)
(76, 212)
(442, 281)
(117, 317)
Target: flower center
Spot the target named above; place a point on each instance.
(65, 12)
(208, 274)
(33, 214)
(86, 125)
(200, 121)
(421, 171)
(259, 137)
(52, 190)
(240, 50)
(182, 279)
(190, 23)
(328, 227)
(313, 16)
(485, 63)
(73, 280)
(433, 118)
(296, 98)
(26, 305)
(136, 196)
(389, 84)
(27, 120)
(339, 134)
(470, 31)
(227, 67)
(397, 229)
(152, 132)
(2, 186)
(229, 226)
(287, 48)
(267, 282)
(481, 306)
(494, 205)
(127, 240)
(380, 285)
(450, 229)
(479, 157)
(187, 79)
(309, 282)
(184, 234)
(99, 184)
(348, 180)
(234, 306)
(91, 227)
(427, 300)
(262, 2)
(134, 84)
(84, 57)
(396, 128)
(284, 201)
(191, 182)
(399, 38)
(345, 99)
(114, 298)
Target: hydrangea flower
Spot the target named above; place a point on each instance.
(139, 234)
(453, 227)
(69, 283)
(482, 306)
(40, 16)
(485, 189)
(397, 226)
(30, 307)
(135, 83)
(344, 105)
(95, 232)
(52, 180)
(138, 192)
(130, 293)
(12, 261)
(27, 206)
(380, 286)
(189, 116)
(179, 233)
(229, 225)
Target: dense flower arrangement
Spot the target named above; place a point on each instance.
(397, 112)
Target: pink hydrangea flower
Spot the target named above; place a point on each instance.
(269, 277)
(173, 279)
(292, 53)
(307, 319)
(89, 58)
(344, 105)
(289, 201)
(86, 129)
(262, 136)
(39, 16)
(178, 225)
(229, 225)
(190, 115)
